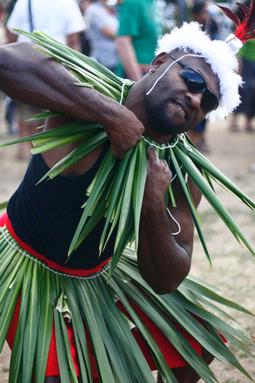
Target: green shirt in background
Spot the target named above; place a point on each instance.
(137, 19)
(248, 51)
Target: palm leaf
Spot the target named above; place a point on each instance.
(212, 198)
(192, 207)
(138, 188)
(45, 325)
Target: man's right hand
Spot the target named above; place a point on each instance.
(158, 178)
(124, 130)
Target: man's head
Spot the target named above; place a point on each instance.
(181, 90)
(219, 56)
(192, 77)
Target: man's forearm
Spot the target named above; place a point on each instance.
(32, 78)
(128, 58)
(163, 262)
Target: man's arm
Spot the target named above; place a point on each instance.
(73, 41)
(128, 57)
(164, 259)
(10, 37)
(28, 76)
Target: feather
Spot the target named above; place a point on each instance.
(230, 14)
(245, 23)
(242, 8)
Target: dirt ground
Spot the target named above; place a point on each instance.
(233, 268)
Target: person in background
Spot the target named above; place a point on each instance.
(102, 26)
(61, 20)
(247, 91)
(2, 11)
(85, 45)
(200, 13)
(137, 37)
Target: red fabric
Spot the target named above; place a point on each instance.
(172, 357)
(4, 221)
(52, 364)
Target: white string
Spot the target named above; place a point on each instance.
(175, 221)
(161, 147)
(4, 232)
(183, 138)
(168, 67)
(122, 90)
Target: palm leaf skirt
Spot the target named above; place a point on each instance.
(107, 316)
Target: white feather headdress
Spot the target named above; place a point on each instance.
(218, 54)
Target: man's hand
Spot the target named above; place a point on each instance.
(158, 178)
(124, 130)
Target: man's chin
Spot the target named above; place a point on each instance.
(170, 130)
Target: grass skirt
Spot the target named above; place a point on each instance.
(113, 319)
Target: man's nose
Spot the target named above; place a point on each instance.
(195, 99)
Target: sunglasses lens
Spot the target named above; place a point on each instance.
(209, 101)
(196, 84)
(193, 80)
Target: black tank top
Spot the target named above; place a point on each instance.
(45, 216)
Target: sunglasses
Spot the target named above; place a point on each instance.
(197, 84)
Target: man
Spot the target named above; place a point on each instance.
(102, 25)
(137, 36)
(41, 220)
(61, 20)
(247, 91)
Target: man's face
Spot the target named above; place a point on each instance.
(171, 106)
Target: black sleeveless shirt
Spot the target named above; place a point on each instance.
(45, 216)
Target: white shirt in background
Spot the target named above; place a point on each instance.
(57, 18)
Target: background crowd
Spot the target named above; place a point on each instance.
(122, 35)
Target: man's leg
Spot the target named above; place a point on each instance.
(52, 379)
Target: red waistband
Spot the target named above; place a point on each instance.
(5, 221)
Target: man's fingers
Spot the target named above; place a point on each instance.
(117, 152)
(152, 155)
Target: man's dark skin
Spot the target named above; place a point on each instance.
(164, 260)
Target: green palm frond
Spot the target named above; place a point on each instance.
(106, 308)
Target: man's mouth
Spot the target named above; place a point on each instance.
(180, 109)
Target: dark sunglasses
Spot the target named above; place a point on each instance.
(197, 84)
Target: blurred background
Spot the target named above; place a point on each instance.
(111, 32)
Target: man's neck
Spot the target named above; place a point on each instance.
(135, 103)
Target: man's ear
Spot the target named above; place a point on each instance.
(159, 60)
